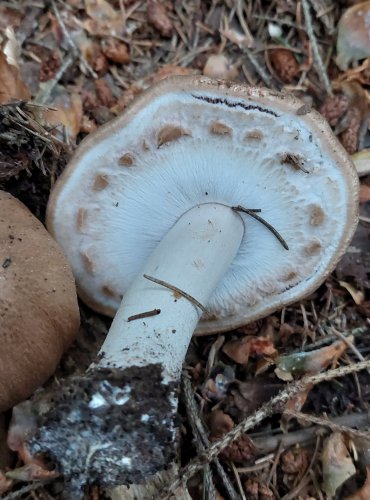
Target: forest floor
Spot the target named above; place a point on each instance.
(69, 66)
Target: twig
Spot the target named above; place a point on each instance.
(253, 214)
(43, 95)
(71, 43)
(178, 290)
(348, 343)
(146, 314)
(330, 338)
(259, 69)
(243, 24)
(200, 432)
(328, 423)
(237, 479)
(269, 443)
(321, 70)
(275, 405)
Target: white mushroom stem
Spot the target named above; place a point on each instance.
(193, 256)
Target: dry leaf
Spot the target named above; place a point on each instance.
(301, 363)
(11, 85)
(68, 114)
(239, 350)
(353, 41)
(337, 465)
(357, 295)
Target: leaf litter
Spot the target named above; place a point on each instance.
(69, 66)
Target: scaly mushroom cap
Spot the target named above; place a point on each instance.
(39, 315)
(191, 140)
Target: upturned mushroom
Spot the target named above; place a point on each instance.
(204, 206)
(39, 314)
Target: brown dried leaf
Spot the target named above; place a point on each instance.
(337, 465)
(239, 350)
(68, 114)
(158, 18)
(11, 85)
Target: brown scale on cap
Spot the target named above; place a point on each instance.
(313, 248)
(126, 160)
(100, 182)
(317, 216)
(170, 133)
(88, 262)
(39, 315)
(109, 291)
(254, 134)
(81, 219)
(219, 128)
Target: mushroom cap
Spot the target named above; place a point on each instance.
(191, 140)
(39, 315)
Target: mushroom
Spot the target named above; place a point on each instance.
(206, 205)
(39, 315)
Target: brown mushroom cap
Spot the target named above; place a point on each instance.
(39, 315)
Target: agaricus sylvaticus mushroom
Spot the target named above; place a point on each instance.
(205, 205)
(39, 315)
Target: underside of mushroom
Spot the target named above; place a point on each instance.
(205, 204)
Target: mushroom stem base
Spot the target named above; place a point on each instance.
(110, 427)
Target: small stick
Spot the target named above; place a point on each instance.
(315, 49)
(199, 431)
(327, 423)
(146, 314)
(70, 41)
(178, 290)
(252, 213)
